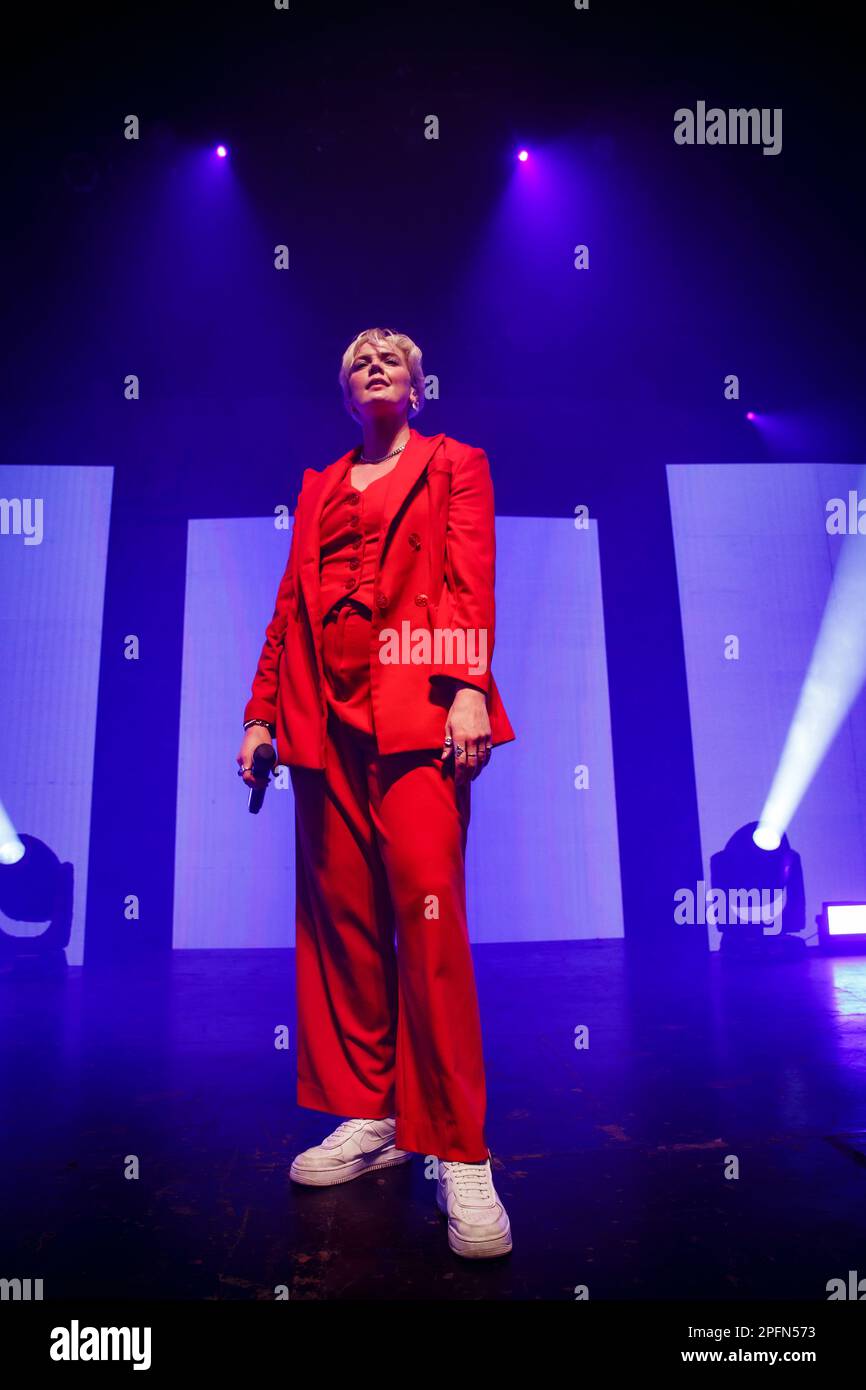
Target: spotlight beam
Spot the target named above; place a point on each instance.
(833, 681)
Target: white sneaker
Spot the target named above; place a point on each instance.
(478, 1225)
(355, 1147)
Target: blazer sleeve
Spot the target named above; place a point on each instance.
(470, 573)
(263, 700)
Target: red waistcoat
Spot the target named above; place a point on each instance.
(433, 606)
(350, 534)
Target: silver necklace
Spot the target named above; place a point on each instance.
(399, 450)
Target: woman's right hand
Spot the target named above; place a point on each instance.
(253, 738)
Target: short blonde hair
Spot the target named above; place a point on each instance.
(381, 337)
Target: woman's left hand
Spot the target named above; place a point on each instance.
(468, 727)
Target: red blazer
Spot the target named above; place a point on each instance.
(436, 570)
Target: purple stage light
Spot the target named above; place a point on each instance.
(750, 415)
(842, 927)
(221, 151)
(523, 156)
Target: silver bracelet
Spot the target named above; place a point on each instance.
(271, 728)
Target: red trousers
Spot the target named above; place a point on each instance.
(388, 1019)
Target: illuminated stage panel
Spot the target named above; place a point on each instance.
(543, 860)
(543, 857)
(754, 560)
(51, 606)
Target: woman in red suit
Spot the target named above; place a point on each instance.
(375, 680)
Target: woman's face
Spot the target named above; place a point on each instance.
(379, 381)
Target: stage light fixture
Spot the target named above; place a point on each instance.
(760, 903)
(842, 927)
(36, 888)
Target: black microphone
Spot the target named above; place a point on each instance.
(262, 765)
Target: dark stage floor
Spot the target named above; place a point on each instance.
(611, 1160)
